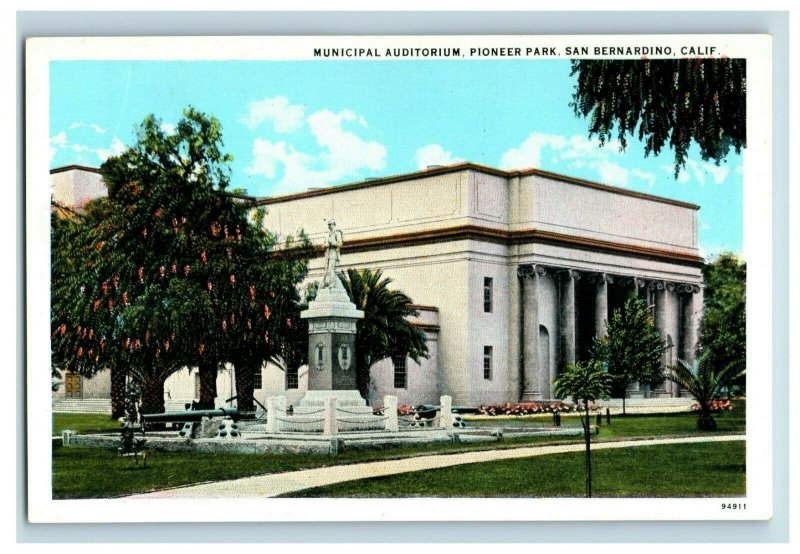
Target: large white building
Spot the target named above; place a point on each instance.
(513, 273)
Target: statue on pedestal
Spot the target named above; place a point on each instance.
(333, 246)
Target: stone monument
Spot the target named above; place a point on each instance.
(332, 386)
(332, 326)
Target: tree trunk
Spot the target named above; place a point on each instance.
(362, 380)
(587, 436)
(118, 383)
(208, 384)
(244, 386)
(152, 396)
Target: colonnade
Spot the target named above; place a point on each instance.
(675, 307)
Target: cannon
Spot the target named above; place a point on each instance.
(191, 415)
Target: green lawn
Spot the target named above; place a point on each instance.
(84, 423)
(94, 473)
(682, 470)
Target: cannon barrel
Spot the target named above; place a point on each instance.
(191, 415)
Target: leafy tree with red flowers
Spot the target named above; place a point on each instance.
(165, 277)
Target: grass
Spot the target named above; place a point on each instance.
(84, 423)
(682, 470)
(98, 473)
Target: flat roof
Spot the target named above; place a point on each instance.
(431, 172)
(464, 166)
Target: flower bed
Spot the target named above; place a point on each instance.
(715, 405)
(529, 408)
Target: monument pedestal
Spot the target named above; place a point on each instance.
(331, 340)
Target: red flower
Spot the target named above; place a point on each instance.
(125, 298)
(203, 256)
(186, 269)
(140, 272)
(210, 286)
(288, 323)
(224, 325)
(157, 213)
(252, 293)
(161, 271)
(266, 311)
(232, 279)
(173, 268)
(201, 348)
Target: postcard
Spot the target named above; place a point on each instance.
(340, 278)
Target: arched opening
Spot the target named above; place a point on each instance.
(545, 367)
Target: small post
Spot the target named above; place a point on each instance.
(446, 412)
(330, 426)
(598, 420)
(390, 412)
(276, 405)
(557, 419)
(66, 436)
(608, 416)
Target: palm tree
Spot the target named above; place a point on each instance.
(384, 331)
(584, 382)
(705, 384)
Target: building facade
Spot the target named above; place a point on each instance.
(513, 274)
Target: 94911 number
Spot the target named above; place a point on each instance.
(734, 506)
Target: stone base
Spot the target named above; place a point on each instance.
(352, 413)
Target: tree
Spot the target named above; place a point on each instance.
(270, 310)
(632, 348)
(584, 382)
(384, 331)
(70, 263)
(161, 283)
(672, 102)
(705, 384)
(723, 336)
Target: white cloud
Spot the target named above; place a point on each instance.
(529, 153)
(700, 171)
(284, 117)
(434, 154)
(342, 154)
(168, 128)
(116, 148)
(57, 142)
(578, 152)
(94, 126)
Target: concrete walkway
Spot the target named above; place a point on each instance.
(275, 484)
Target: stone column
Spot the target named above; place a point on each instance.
(531, 386)
(330, 426)
(446, 412)
(568, 315)
(601, 304)
(660, 320)
(390, 412)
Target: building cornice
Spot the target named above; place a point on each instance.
(432, 172)
(524, 236)
(75, 167)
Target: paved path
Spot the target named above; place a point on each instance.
(276, 484)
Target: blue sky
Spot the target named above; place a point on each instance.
(295, 125)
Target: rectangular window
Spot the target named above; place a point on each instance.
(487, 363)
(400, 376)
(197, 385)
(487, 294)
(292, 379)
(257, 380)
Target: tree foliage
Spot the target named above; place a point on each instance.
(665, 102)
(723, 336)
(632, 348)
(384, 331)
(584, 383)
(171, 271)
(705, 382)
